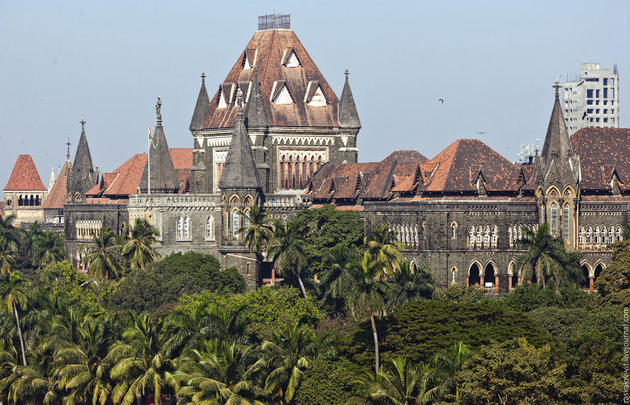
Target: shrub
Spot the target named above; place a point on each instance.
(165, 281)
(326, 383)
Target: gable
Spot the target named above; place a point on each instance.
(314, 95)
(289, 58)
(280, 93)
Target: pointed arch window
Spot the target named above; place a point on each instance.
(581, 236)
(493, 239)
(611, 235)
(453, 231)
(236, 222)
(566, 219)
(479, 237)
(486, 237)
(604, 237)
(246, 218)
(210, 228)
(596, 240)
(619, 235)
(471, 237)
(553, 219)
(587, 240)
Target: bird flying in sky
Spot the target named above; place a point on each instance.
(441, 100)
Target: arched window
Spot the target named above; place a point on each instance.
(454, 275)
(611, 235)
(596, 239)
(186, 228)
(619, 235)
(566, 221)
(479, 231)
(180, 227)
(246, 218)
(589, 232)
(510, 240)
(37, 202)
(581, 236)
(236, 222)
(493, 239)
(486, 237)
(453, 231)
(553, 219)
(471, 237)
(520, 233)
(210, 228)
(20, 201)
(604, 236)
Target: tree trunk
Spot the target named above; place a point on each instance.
(301, 285)
(19, 328)
(375, 335)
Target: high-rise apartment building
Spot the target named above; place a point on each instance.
(593, 99)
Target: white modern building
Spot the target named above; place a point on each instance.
(592, 100)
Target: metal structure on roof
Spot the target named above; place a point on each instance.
(271, 21)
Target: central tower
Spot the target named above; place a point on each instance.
(295, 121)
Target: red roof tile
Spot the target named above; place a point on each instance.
(24, 176)
(125, 180)
(270, 47)
(601, 150)
(58, 194)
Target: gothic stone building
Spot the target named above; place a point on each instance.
(275, 134)
(271, 124)
(461, 213)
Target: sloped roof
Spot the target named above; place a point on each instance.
(58, 194)
(601, 150)
(460, 163)
(271, 46)
(240, 170)
(24, 176)
(125, 180)
(163, 173)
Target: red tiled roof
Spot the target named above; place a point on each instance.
(125, 180)
(460, 163)
(601, 151)
(24, 176)
(270, 47)
(58, 194)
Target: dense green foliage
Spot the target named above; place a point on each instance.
(166, 280)
(182, 329)
(420, 329)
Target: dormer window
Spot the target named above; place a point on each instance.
(280, 93)
(289, 58)
(249, 59)
(314, 95)
(225, 94)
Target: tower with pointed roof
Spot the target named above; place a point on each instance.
(83, 175)
(24, 193)
(159, 166)
(294, 119)
(241, 189)
(557, 176)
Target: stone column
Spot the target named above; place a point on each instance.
(590, 284)
(509, 283)
(496, 282)
(468, 281)
(481, 281)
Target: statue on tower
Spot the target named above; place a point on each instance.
(158, 110)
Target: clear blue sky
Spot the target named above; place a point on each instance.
(493, 62)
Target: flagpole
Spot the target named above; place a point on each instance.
(149, 163)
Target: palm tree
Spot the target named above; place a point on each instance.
(218, 372)
(32, 385)
(140, 367)
(139, 250)
(338, 277)
(448, 363)
(284, 359)
(400, 383)
(8, 245)
(16, 298)
(366, 298)
(103, 256)
(47, 249)
(287, 250)
(259, 232)
(385, 250)
(409, 284)
(8, 360)
(81, 368)
(546, 259)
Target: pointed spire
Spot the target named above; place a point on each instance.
(163, 174)
(255, 115)
(201, 108)
(557, 141)
(83, 175)
(240, 170)
(348, 115)
(51, 182)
